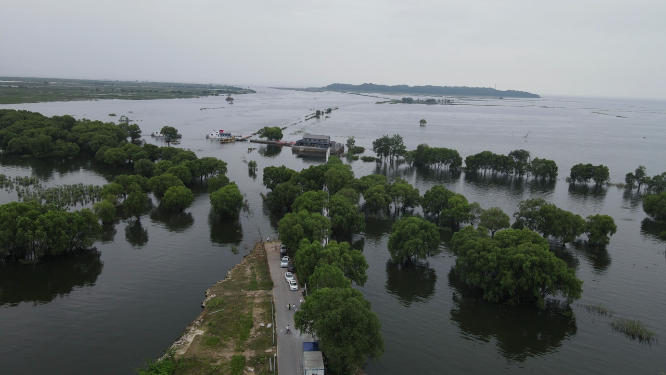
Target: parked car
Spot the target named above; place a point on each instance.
(288, 276)
(284, 263)
(293, 285)
(283, 250)
(291, 268)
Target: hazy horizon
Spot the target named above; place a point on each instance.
(560, 49)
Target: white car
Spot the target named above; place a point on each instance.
(293, 285)
(284, 263)
(283, 249)
(288, 276)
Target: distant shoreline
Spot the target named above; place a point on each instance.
(19, 90)
(419, 90)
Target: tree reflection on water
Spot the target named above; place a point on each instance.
(519, 331)
(269, 151)
(174, 221)
(410, 282)
(224, 231)
(597, 256)
(135, 234)
(40, 283)
(652, 228)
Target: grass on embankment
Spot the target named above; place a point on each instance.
(232, 338)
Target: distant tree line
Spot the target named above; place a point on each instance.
(430, 90)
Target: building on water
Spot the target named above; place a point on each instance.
(317, 144)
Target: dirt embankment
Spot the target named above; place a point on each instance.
(236, 321)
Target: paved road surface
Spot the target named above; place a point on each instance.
(290, 347)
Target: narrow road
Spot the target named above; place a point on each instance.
(289, 346)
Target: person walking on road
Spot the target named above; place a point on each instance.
(289, 306)
(288, 329)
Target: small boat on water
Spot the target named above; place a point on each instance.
(240, 137)
(222, 136)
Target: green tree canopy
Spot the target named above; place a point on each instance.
(364, 183)
(312, 178)
(350, 194)
(338, 177)
(348, 329)
(217, 182)
(404, 195)
(514, 266)
(655, 205)
(311, 254)
(328, 276)
(540, 216)
(182, 172)
(283, 196)
(457, 211)
(494, 219)
(144, 167)
(160, 184)
(170, 134)
(134, 132)
(377, 199)
(412, 238)
(135, 204)
(294, 227)
(30, 230)
(177, 198)
(344, 215)
(273, 176)
(105, 210)
(436, 199)
(272, 133)
(599, 229)
(543, 168)
(311, 201)
(115, 157)
(227, 201)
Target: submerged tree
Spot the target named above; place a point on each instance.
(412, 238)
(599, 229)
(170, 134)
(178, 198)
(655, 205)
(227, 201)
(515, 266)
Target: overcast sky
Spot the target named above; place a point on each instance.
(597, 48)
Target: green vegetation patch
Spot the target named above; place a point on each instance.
(36, 90)
(237, 364)
(598, 309)
(635, 330)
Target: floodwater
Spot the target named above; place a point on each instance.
(107, 310)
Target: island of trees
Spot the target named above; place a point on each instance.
(430, 90)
